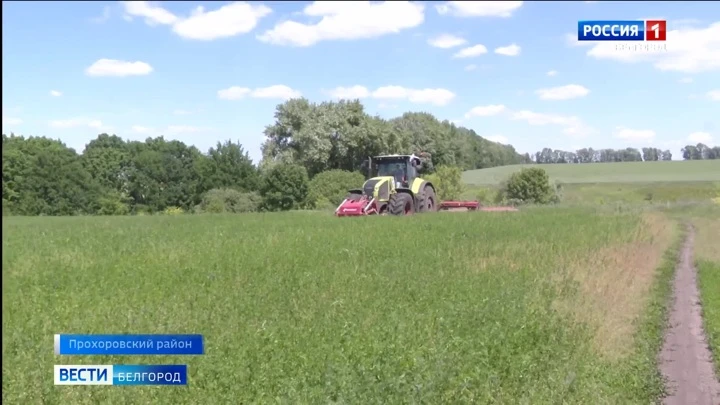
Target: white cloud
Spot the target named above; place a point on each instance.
(686, 80)
(633, 134)
(11, 120)
(278, 91)
(479, 8)
(346, 21)
(349, 93)
(55, 93)
(714, 95)
(435, 96)
(182, 112)
(552, 73)
(118, 68)
(687, 49)
(227, 21)
(510, 50)
(486, 110)
(78, 123)
(446, 41)
(470, 67)
(700, 137)
(572, 126)
(471, 52)
(563, 92)
(497, 138)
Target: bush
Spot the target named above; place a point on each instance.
(114, 204)
(331, 187)
(221, 200)
(284, 187)
(173, 211)
(448, 182)
(531, 185)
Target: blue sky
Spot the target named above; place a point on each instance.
(207, 71)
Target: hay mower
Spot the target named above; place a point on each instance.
(394, 187)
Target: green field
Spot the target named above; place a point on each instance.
(558, 304)
(622, 172)
(304, 308)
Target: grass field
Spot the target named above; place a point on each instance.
(708, 264)
(623, 172)
(302, 308)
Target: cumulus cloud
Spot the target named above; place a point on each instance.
(78, 123)
(572, 125)
(688, 49)
(446, 41)
(278, 91)
(471, 52)
(510, 50)
(563, 92)
(11, 120)
(479, 8)
(349, 93)
(435, 96)
(552, 73)
(700, 137)
(118, 68)
(55, 93)
(497, 138)
(346, 21)
(486, 110)
(229, 20)
(633, 134)
(714, 95)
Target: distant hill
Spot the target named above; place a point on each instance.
(621, 172)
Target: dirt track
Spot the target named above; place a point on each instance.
(685, 359)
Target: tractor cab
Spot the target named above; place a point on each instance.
(402, 168)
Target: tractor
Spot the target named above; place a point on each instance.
(394, 187)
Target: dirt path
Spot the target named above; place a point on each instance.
(685, 360)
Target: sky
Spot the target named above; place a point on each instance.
(513, 71)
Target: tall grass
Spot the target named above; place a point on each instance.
(304, 308)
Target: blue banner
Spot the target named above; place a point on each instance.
(122, 345)
(121, 374)
(611, 30)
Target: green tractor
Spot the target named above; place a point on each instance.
(393, 187)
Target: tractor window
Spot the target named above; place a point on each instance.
(390, 168)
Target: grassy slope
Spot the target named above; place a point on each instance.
(625, 172)
(304, 308)
(707, 257)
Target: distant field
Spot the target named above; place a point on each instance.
(543, 306)
(623, 172)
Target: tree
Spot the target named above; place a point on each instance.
(529, 185)
(331, 187)
(448, 182)
(284, 187)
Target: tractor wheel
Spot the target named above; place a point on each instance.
(401, 204)
(428, 202)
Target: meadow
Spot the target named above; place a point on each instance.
(558, 304)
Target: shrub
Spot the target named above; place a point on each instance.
(530, 185)
(448, 182)
(220, 200)
(284, 187)
(173, 211)
(329, 188)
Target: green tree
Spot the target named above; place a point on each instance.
(448, 182)
(529, 185)
(284, 187)
(331, 187)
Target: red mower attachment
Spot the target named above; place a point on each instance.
(357, 206)
(468, 205)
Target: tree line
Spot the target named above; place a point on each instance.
(590, 155)
(112, 176)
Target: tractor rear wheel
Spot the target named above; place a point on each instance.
(428, 201)
(401, 204)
